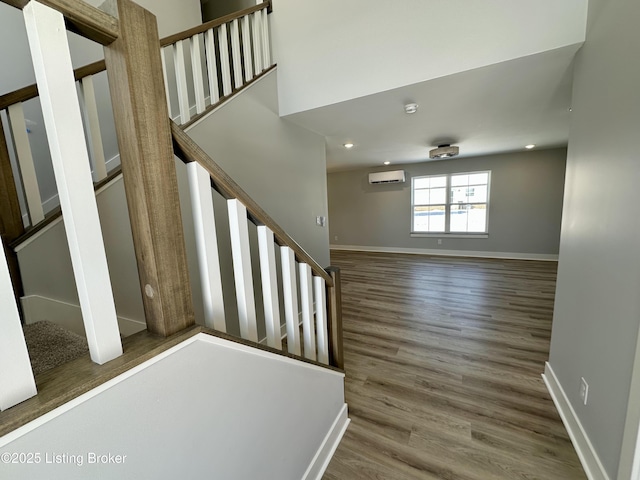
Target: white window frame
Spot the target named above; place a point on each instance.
(447, 213)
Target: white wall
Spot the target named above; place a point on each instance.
(597, 310)
(205, 411)
(332, 51)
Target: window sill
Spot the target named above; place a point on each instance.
(449, 235)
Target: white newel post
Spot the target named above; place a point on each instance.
(56, 84)
(16, 377)
(207, 246)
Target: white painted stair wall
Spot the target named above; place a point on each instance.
(207, 408)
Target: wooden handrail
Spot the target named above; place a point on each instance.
(189, 151)
(213, 23)
(27, 93)
(81, 18)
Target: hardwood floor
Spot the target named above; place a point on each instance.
(443, 358)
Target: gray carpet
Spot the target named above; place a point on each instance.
(50, 345)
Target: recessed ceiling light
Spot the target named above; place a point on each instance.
(348, 145)
(530, 146)
(387, 162)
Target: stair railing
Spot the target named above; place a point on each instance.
(225, 55)
(301, 275)
(134, 61)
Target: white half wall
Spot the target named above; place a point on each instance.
(207, 408)
(331, 51)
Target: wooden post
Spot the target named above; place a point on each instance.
(334, 310)
(134, 69)
(11, 226)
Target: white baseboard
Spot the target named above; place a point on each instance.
(328, 447)
(587, 454)
(37, 308)
(448, 253)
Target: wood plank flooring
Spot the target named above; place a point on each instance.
(443, 358)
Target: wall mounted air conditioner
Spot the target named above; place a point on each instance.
(395, 176)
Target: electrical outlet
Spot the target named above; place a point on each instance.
(439, 241)
(335, 237)
(584, 390)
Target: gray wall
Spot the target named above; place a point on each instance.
(597, 310)
(524, 213)
(281, 165)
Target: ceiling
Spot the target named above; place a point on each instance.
(494, 109)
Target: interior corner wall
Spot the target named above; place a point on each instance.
(280, 165)
(597, 308)
(525, 206)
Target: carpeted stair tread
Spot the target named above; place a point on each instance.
(50, 345)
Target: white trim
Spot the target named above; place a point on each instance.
(587, 454)
(47, 417)
(449, 235)
(448, 253)
(328, 447)
(68, 315)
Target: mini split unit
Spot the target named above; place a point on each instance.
(395, 176)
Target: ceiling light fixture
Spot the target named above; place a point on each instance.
(530, 146)
(347, 145)
(444, 151)
(410, 108)
(387, 162)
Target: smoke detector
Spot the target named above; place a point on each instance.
(410, 108)
(443, 151)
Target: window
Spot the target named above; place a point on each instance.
(455, 203)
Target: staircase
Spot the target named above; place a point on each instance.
(296, 385)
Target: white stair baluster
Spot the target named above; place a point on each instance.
(290, 294)
(207, 246)
(266, 50)
(181, 82)
(246, 45)
(90, 110)
(225, 65)
(306, 298)
(56, 84)
(236, 53)
(25, 160)
(269, 286)
(163, 56)
(16, 377)
(319, 287)
(212, 68)
(243, 276)
(196, 67)
(257, 41)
